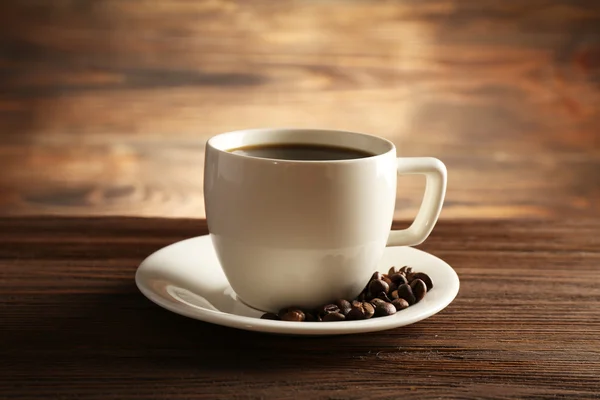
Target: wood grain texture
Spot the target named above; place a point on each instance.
(526, 323)
(105, 105)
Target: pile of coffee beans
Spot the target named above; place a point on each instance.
(384, 294)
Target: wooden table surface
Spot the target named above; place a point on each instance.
(526, 323)
(105, 105)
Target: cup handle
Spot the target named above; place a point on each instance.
(435, 191)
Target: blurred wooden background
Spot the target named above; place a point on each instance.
(105, 105)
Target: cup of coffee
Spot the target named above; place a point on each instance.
(300, 217)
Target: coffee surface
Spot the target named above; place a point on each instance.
(306, 152)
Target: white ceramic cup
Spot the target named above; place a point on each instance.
(304, 233)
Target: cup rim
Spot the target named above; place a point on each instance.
(390, 147)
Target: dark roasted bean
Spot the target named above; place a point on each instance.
(393, 287)
(344, 306)
(393, 271)
(376, 276)
(293, 315)
(309, 316)
(405, 292)
(394, 295)
(386, 279)
(400, 304)
(383, 296)
(398, 279)
(283, 311)
(331, 308)
(419, 289)
(327, 309)
(270, 316)
(377, 301)
(377, 286)
(369, 309)
(360, 310)
(409, 274)
(355, 314)
(425, 278)
(385, 309)
(331, 317)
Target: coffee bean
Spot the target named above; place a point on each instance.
(386, 279)
(393, 287)
(331, 317)
(398, 279)
(394, 295)
(309, 317)
(403, 269)
(327, 309)
(383, 296)
(400, 304)
(331, 308)
(293, 315)
(355, 314)
(376, 276)
(405, 292)
(377, 302)
(425, 278)
(270, 316)
(360, 310)
(419, 289)
(393, 271)
(377, 286)
(344, 306)
(284, 311)
(385, 309)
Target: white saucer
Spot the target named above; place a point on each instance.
(186, 278)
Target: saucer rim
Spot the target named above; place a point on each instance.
(289, 327)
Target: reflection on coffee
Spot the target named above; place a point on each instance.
(299, 152)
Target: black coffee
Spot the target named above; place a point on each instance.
(307, 152)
